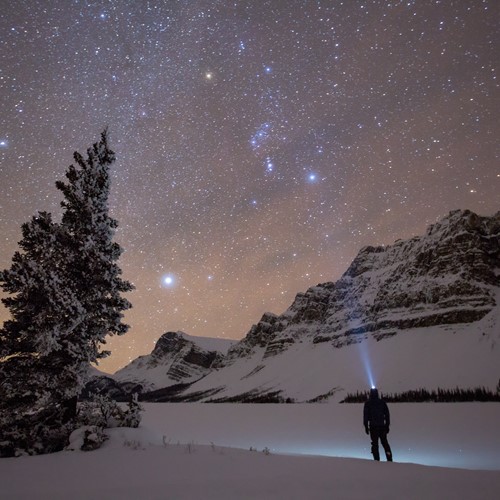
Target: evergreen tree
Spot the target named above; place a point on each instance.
(90, 256)
(43, 309)
(65, 298)
(33, 374)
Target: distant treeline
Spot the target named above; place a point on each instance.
(456, 395)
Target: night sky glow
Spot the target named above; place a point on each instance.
(259, 144)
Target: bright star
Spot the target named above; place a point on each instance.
(269, 165)
(3, 143)
(312, 177)
(168, 281)
(209, 75)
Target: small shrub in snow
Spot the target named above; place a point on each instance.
(266, 451)
(190, 448)
(87, 438)
(93, 438)
(103, 411)
(215, 449)
(132, 443)
(133, 415)
(100, 410)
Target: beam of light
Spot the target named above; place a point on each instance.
(365, 359)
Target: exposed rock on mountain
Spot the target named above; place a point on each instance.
(445, 277)
(176, 358)
(423, 312)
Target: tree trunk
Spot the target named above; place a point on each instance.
(69, 409)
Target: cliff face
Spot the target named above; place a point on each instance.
(448, 276)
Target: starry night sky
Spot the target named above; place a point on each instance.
(260, 144)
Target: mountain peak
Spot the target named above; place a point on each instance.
(169, 342)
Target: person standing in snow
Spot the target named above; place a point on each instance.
(377, 419)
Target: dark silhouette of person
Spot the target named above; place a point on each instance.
(377, 419)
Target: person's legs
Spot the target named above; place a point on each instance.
(374, 435)
(385, 444)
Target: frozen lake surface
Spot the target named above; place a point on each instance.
(465, 435)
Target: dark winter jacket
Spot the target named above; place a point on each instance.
(376, 412)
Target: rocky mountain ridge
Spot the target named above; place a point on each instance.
(421, 290)
(443, 277)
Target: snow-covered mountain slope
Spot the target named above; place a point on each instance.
(438, 356)
(419, 313)
(176, 358)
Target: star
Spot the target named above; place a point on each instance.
(269, 165)
(168, 281)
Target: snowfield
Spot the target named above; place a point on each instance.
(202, 451)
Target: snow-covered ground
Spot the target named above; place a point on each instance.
(202, 451)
